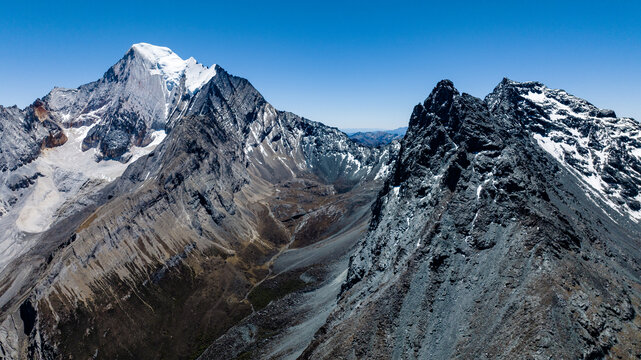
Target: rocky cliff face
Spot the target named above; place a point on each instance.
(500, 231)
(26, 133)
(179, 240)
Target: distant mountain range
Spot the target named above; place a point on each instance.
(375, 137)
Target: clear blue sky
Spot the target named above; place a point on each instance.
(347, 64)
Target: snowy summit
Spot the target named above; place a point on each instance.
(172, 67)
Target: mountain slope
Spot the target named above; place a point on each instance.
(24, 135)
(485, 245)
(179, 240)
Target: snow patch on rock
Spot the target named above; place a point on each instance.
(65, 169)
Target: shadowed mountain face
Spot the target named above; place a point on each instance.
(486, 243)
(167, 210)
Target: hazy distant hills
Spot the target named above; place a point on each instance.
(374, 137)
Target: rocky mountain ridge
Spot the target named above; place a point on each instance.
(484, 243)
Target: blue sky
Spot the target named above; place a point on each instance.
(347, 64)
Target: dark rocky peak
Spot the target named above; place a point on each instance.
(447, 123)
(487, 224)
(441, 96)
(437, 104)
(230, 99)
(446, 107)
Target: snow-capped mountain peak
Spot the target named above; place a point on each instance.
(134, 98)
(163, 61)
(154, 52)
